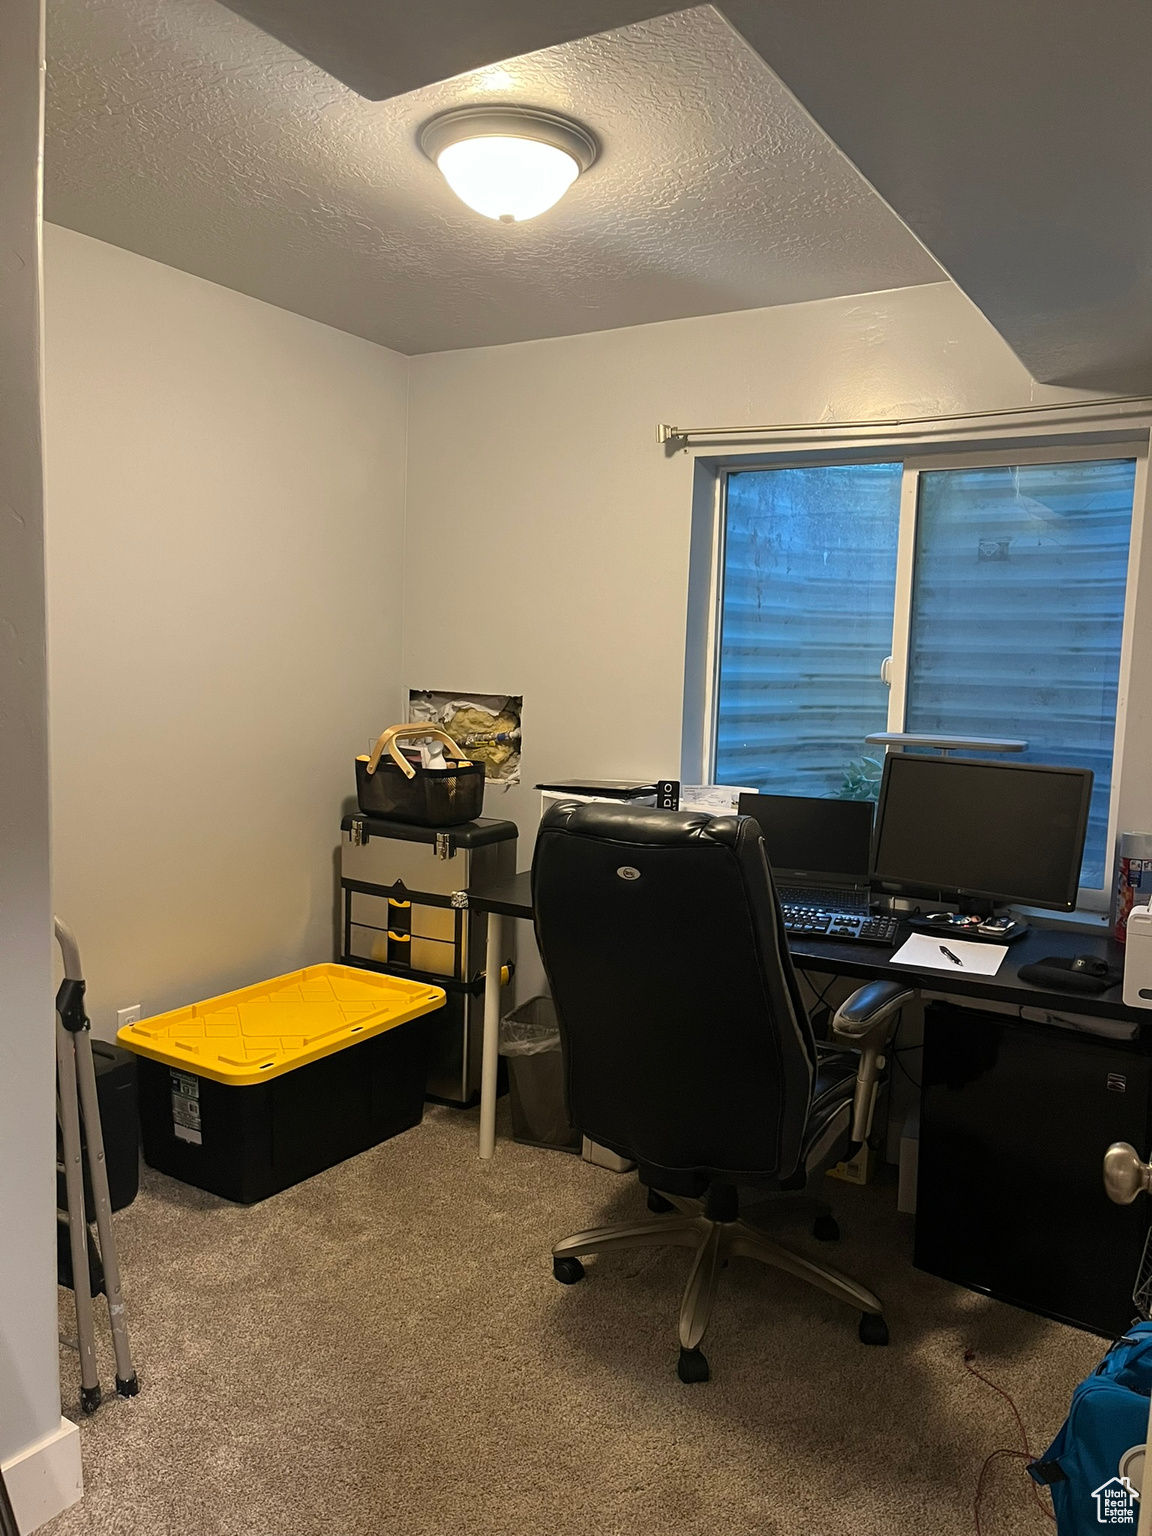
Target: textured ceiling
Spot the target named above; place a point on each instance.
(1015, 138)
(383, 48)
(179, 130)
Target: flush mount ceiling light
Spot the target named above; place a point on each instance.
(508, 163)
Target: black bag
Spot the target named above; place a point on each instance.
(398, 788)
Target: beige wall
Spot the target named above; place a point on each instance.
(226, 493)
(548, 532)
(224, 503)
(39, 1452)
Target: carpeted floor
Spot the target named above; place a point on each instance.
(382, 1351)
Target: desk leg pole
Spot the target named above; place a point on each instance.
(491, 1059)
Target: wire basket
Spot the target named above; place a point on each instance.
(398, 786)
(433, 797)
(1142, 1291)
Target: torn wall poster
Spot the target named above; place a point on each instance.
(485, 725)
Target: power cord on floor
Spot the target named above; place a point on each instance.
(986, 1468)
(821, 996)
(896, 1050)
(1025, 1455)
(896, 1054)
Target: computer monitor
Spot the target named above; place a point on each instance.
(811, 841)
(998, 832)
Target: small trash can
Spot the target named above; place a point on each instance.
(530, 1038)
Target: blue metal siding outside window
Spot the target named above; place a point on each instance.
(809, 584)
(1018, 613)
(1016, 624)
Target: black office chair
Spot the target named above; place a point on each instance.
(687, 1046)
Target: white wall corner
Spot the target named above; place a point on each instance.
(46, 1477)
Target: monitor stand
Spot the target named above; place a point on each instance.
(976, 919)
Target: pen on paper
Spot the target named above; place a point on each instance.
(955, 959)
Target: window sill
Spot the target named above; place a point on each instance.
(1081, 920)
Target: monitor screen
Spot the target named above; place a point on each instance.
(809, 839)
(1008, 831)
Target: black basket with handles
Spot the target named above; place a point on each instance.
(395, 787)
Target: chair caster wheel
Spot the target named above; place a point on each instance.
(657, 1203)
(873, 1329)
(692, 1366)
(567, 1271)
(826, 1229)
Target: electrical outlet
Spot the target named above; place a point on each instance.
(127, 1015)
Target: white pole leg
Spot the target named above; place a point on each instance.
(491, 1056)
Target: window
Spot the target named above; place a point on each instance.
(1018, 614)
(998, 591)
(809, 587)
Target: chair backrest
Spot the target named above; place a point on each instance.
(686, 1042)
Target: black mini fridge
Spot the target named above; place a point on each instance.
(1015, 1120)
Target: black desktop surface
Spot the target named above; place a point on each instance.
(1005, 987)
(512, 897)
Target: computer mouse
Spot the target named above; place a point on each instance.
(1090, 965)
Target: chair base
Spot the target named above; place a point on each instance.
(714, 1242)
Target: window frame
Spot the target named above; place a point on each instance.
(1040, 445)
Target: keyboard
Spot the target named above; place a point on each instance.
(820, 896)
(833, 923)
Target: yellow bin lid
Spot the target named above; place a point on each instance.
(265, 1030)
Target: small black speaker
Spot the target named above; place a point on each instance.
(668, 794)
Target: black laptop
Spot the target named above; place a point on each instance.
(818, 849)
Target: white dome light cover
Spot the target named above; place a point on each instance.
(507, 179)
(508, 163)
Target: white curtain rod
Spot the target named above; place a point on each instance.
(681, 437)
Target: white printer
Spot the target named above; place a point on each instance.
(1138, 959)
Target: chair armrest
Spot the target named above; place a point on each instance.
(869, 1007)
(867, 1021)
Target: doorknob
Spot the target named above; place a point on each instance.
(886, 671)
(1125, 1176)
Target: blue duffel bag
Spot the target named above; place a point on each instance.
(1086, 1466)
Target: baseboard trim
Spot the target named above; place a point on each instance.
(45, 1478)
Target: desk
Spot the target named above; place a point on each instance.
(869, 961)
(865, 962)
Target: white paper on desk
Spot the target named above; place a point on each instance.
(923, 949)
